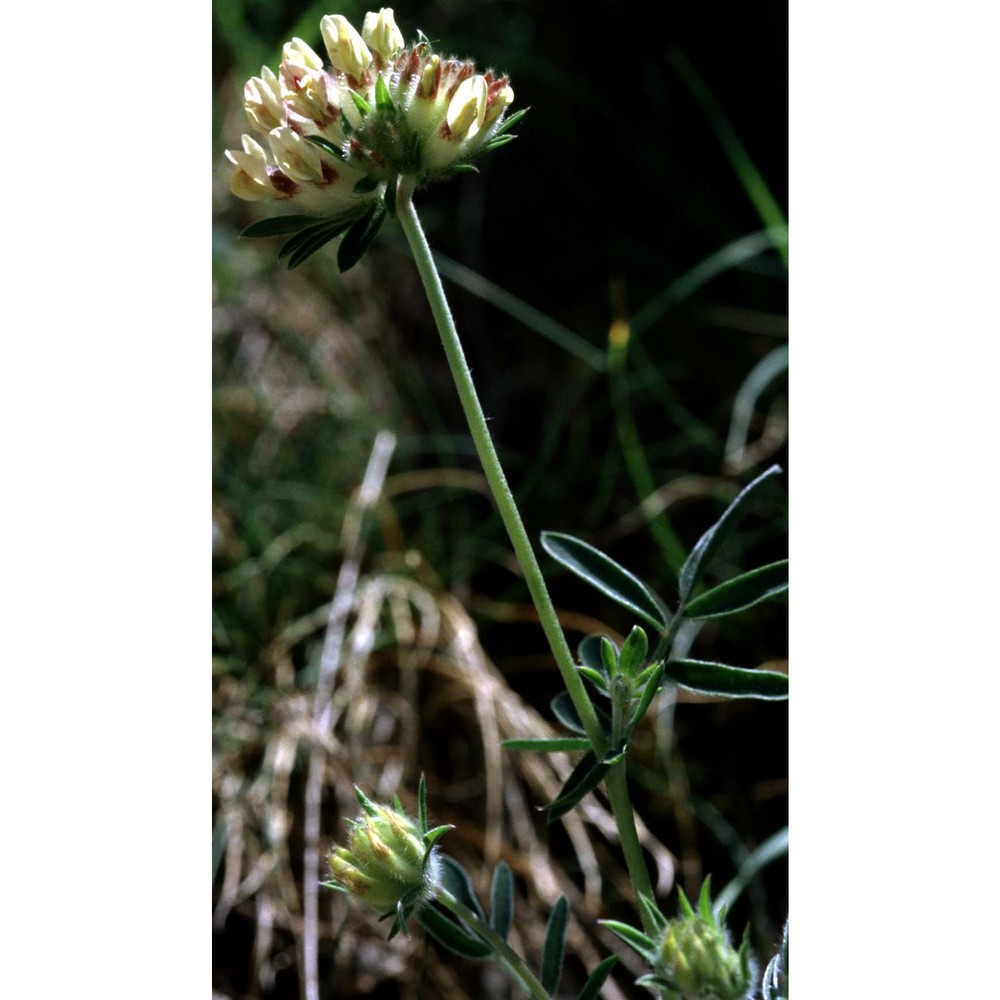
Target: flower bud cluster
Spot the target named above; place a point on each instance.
(385, 860)
(698, 961)
(332, 137)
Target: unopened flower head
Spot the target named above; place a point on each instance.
(390, 861)
(335, 136)
(697, 959)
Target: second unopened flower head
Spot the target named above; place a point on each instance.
(333, 137)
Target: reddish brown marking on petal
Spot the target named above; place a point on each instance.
(412, 63)
(436, 82)
(329, 174)
(464, 73)
(445, 131)
(281, 183)
(295, 126)
(356, 147)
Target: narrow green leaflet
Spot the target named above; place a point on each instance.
(741, 592)
(606, 575)
(510, 121)
(709, 543)
(633, 652)
(422, 805)
(653, 914)
(444, 930)
(634, 938)
(502, 900)
(359, 237)
(308, 241)
(456, 880)
(566, 744)
(497, 142)
(283, 225)
(554, 946)
(589, 652)
(585, 777)
(327, 146)
(596, 979)
(367, 184)
(648, 693)
(565, 711)
(726, 681)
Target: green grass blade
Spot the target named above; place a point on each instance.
(776, 846)
(750, 177)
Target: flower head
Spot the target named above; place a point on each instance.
(390, 859)
(379, 111)
(691, 956)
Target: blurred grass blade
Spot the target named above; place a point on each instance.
(776, 846)
(596, 979)
(568, 744)
(554, 946)
(753, 183)
(606, 575)
(502, 900)
(725, 681)
(741, 592)
(531, 317)
(773, 364)
(709, 543)
(445, 931)
(731, 255)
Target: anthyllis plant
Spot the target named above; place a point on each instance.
(347, 143)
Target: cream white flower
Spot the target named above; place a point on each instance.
(340, 136)
(346, 48)
(381, 33)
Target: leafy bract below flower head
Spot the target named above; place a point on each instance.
(335, 138)
(390, 860)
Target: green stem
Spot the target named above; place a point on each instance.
(505, 955)
(407, 215)
(616, 784)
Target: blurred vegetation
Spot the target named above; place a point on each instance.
(629, 345)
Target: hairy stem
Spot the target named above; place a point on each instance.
(505, 955)
(407, 215)
(615, 784)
